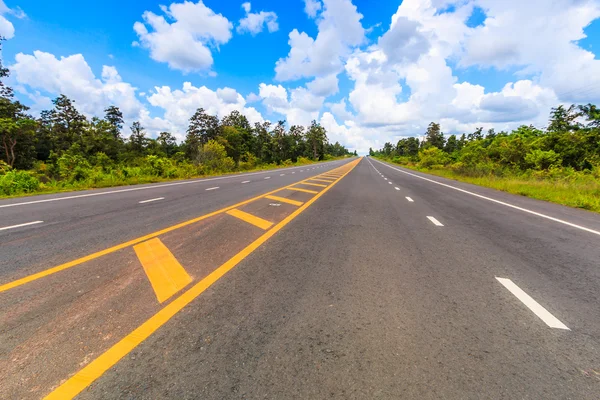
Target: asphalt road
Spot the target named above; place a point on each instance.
(380, 283)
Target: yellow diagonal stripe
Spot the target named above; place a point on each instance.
(322, 180)
(164, 272)
(251, 219)
(313, 184)
(285, 200)
(303, 190)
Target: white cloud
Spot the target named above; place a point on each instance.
(324, 86)
(312, 7)
(184, 43)
(254, 23)
(7, 29)
(180, 104)
(540, 37)
(300, 107)
(73, 77)
(340, 31)
(44, 73)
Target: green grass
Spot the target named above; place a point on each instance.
(576, 190)
(108, 180)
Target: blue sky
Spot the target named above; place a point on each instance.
(379, 70)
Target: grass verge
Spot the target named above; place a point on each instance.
(580, 191)
(62, 187)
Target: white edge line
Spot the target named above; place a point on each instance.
(533, 305)
(409, 199)
(133, 189)
(435, 221)
(212, 188)
(148, 201)
(560, 221)
(20, 225)
(246, 182)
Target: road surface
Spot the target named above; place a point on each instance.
(353, 279)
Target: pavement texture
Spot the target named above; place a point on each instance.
(357, 295)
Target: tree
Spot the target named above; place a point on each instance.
(592, 115)
(452, 144)
(262, 145)
(167, 143)
(564, 120)
(67, 123)
(137, 140)
(114, 117)
(434, 137)
(233, 142)
(477, 135)
(316, 136)
(202, 128)
(12, 133)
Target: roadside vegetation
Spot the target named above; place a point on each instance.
(65, 150)
(560, 163)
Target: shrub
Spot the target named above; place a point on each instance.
(433, 156)
(15, 182)
(543, 160)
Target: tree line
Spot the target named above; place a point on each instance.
(570, 143)
(64, 148)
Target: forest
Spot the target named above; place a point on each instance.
(62, 149)
(560, 163)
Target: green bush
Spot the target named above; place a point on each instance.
(16, 182)
(543, 160)
(433, 156)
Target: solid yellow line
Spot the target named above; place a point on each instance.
(303, 190)
(321, 180)
(313, 184)
(285, 200)
(164, 272)
(251, 219)
(93, 256)
(82, 379)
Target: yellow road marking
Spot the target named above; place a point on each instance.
(251, 219)
(82, 379)
(313, 184)
(303, 190)
(322, 180)
(330, 176)
(164, 272)
(285, 200)
(93, 256)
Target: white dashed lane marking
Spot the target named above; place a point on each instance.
(435, 221)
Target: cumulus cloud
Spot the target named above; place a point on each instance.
(42, 75)
(299, 106)
(7, 29)
(254, 23)
(312, 7)
(184, 44)
(73, 77)
(340, 30)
